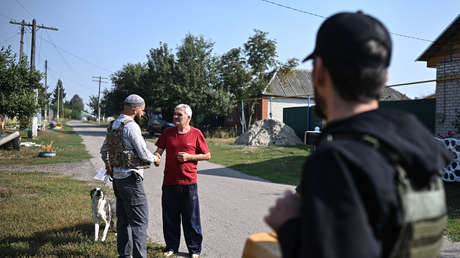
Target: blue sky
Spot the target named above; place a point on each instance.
(99, 37)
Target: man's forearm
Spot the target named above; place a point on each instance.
(198, 157)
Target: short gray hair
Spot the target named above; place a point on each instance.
(187, 108)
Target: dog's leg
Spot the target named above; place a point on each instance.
(106, 229)
(96, 231)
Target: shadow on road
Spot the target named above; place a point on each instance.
(225, 172)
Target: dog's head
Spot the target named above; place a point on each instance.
(97, 194)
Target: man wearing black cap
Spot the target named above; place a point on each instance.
(363, 193)
(125, 155)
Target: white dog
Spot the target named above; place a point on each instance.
(103, 210)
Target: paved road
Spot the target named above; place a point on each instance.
(232, 204)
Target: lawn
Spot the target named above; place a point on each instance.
(275, 163)
(68, 145)
(45, 215)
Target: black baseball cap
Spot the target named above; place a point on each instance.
(342, 34)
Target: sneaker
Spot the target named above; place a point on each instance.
(168, 253)
(195, 256)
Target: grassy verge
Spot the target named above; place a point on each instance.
(67, 143)
(44, 215)
(453, 210)
(275, 163)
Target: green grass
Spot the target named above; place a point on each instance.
(275, 163)
(68, 145)
(45, 215)
(453, 210)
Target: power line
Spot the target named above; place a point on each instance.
(9, 37)
(4, 16)
(25, 9)
(60, 54)
(324, 17)
(78, 57)
(294, 9)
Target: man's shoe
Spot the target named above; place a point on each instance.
(168, 253)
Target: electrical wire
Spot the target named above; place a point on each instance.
(9, 37)
(324, 17)
(78, 57)
(62, 56)
(25, 9)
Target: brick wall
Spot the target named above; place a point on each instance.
(447, 96)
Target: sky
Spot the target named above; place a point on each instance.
(97, 38)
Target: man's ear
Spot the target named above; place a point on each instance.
(318, 72)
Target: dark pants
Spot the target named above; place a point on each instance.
(181, 201)
(132, 217)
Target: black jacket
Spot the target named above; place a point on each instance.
(350, 205)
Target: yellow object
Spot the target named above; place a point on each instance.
(262, 245)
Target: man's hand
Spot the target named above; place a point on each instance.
(109, 171)
(286, 208)
(158, 160)
(183, 157)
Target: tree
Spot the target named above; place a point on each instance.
(198, 76)
(62, 95)
(261, 57)
(126, 81)
(77, 102)
(17, 86)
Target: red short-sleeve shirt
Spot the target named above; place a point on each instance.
(193, 142)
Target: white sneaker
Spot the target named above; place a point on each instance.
(195, 256)
(168, 253)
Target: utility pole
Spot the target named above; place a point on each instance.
(58, 97)
(21, 43)
(100, 79)
(46, 87)
(32, 59)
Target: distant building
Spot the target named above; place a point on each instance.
(293, 89)
(444, 55)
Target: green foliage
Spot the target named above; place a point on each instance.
(17, 86)
(212, 85)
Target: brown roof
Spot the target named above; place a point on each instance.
(298, 84)
(447, 44)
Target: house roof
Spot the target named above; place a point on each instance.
(298, 84)
(446, 43)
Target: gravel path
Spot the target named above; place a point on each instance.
(232, 204)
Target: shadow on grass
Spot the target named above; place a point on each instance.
(453, 199)
(35, 244)
(285, 170)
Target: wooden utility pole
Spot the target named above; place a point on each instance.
(100, 79)
(32, 59)
(21, 43)
(46, 87)
(34, 30)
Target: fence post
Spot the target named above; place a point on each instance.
(308, 114)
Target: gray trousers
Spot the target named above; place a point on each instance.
(132, 216)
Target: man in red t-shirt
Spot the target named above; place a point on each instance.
(185, 146)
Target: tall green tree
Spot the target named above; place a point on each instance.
(126, 81)
(17, 86)
(261, 58)
(54, 98)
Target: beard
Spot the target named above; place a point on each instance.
(320, 105)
